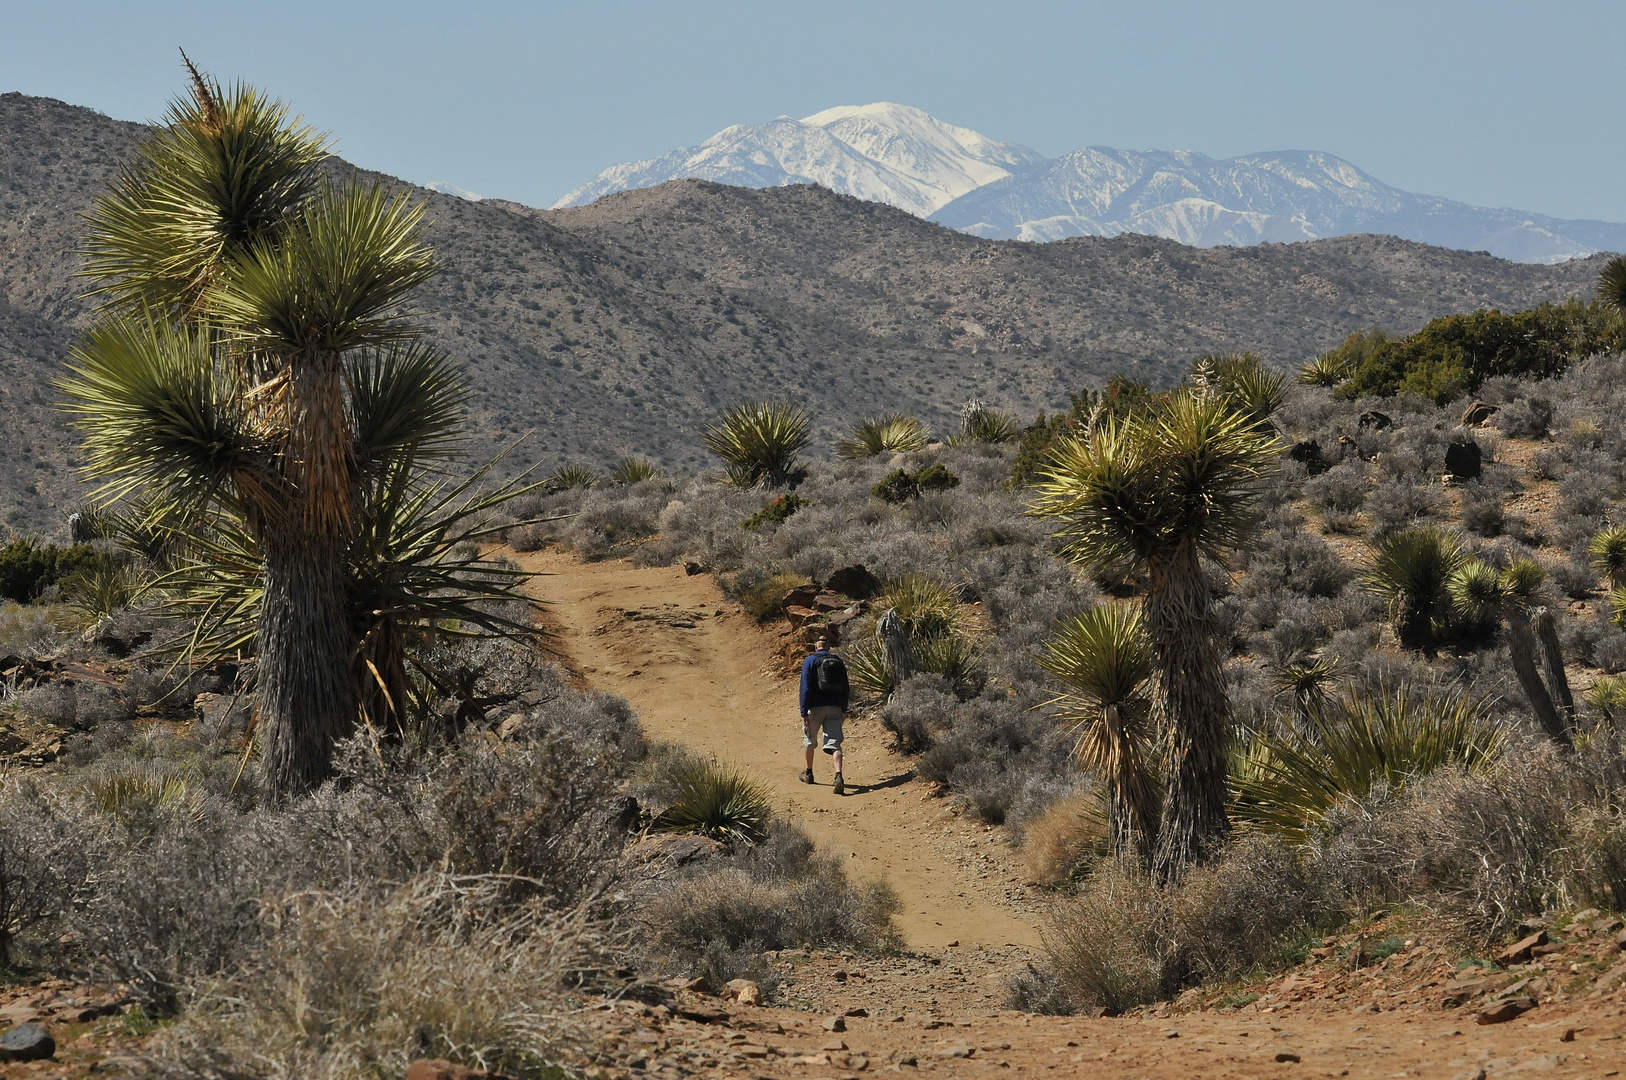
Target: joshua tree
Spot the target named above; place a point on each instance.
(252, 369)
(1152, 496)
(1103, 659)
(1483, 594)
(1411, 571)
(1612, 283)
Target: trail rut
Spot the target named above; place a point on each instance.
(700, 672)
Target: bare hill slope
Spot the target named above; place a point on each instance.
(623, 326)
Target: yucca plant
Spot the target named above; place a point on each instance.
(1612, 283)
(895, 433)
(925, 606)
(107, 586)
(1487, 596)
(569, 477)
(1608, 551)
(1327, 369)
(1103, 659)
(1152, 496)
(759, 442)
(1308, 679)
(1608, 696)
(1411, 571)
(867, 669)
(1243, 381)
(634, 470)
(717, 801)
(981, 424)
(952, 656)
(1290, 782)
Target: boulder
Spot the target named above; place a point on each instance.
(1478, 413)
(691, 567)
(1375, 420)
(854, 581)
(682, 848)
(800, 615)
(441, 1069)
(27, 1042)
(835, 1023)
(1500, 1012)
(829, 601)
(1464, 460)
(1461, 992)
(1519, 951)
(1308, 454)
(744, 991)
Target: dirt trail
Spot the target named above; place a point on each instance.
(702, 673)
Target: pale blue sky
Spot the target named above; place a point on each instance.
(1498, 104)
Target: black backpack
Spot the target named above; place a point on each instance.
(830, 675)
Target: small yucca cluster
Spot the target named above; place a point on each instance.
(895, 433)
(759, 442)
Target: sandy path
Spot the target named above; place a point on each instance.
(700, 672)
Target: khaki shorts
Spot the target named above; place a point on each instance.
(829, 718)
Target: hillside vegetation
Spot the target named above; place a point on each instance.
(627, 325)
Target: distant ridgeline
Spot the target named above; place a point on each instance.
(1454, 355)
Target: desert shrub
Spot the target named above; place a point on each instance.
(765, 599)
(717, 801)
(780, 893)
(1454, 354)
(1124, 940)
(1341, 489)
(46, 858)
(357, 983)
(1296, 562)
(605, 520)
(1525, 418)
(1395, 506)
(919, 706)
(776, 512)
(1482, 510)
(27, 569)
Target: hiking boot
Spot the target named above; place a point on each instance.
(840, 787)
(807, 776)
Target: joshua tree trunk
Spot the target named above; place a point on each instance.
(1131, 804)
(307, 696)
(900, 658)
(1552, 656)
(1521, 646)
(1191, 688)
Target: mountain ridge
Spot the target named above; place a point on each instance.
(903, 156)
(624, 326)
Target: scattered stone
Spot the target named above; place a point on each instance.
(834, 1044)
(26, 1042)
(1464, 460)
(691, 567)
(835, 1023)
(1473, 1074)
(1375, 420)
(802, 597)
(681, 849)
(840, 976)
(1519, 951)
(1461, 992)
(699, 1014)
(955, 944)
(1287, 1056)
(1478, 413)
(854, 581)
(859, 1012)
(1172, 1033)
(752, 1050)
(960, 1050)
(1500, 1012)
(1620, 941)
(441, 1069)
(1568, 1036)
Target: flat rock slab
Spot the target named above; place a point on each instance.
(26, 1042)
(1500, 1012)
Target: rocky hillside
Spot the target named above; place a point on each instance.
(623, 326)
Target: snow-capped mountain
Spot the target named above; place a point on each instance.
(452, 189)
(1285, 196)
(967, 181)
(882, 152)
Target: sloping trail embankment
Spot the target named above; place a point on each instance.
(700, 672)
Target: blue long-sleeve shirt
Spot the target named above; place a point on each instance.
(812, 696)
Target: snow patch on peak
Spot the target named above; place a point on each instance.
(452, 189)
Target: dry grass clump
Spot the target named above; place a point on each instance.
(1056, 842)
(357, 983)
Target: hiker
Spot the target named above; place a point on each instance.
(824, 704)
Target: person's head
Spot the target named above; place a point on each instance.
(820, 645)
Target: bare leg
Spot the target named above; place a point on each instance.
(836, 756)
(807, 729)
(810, 758)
